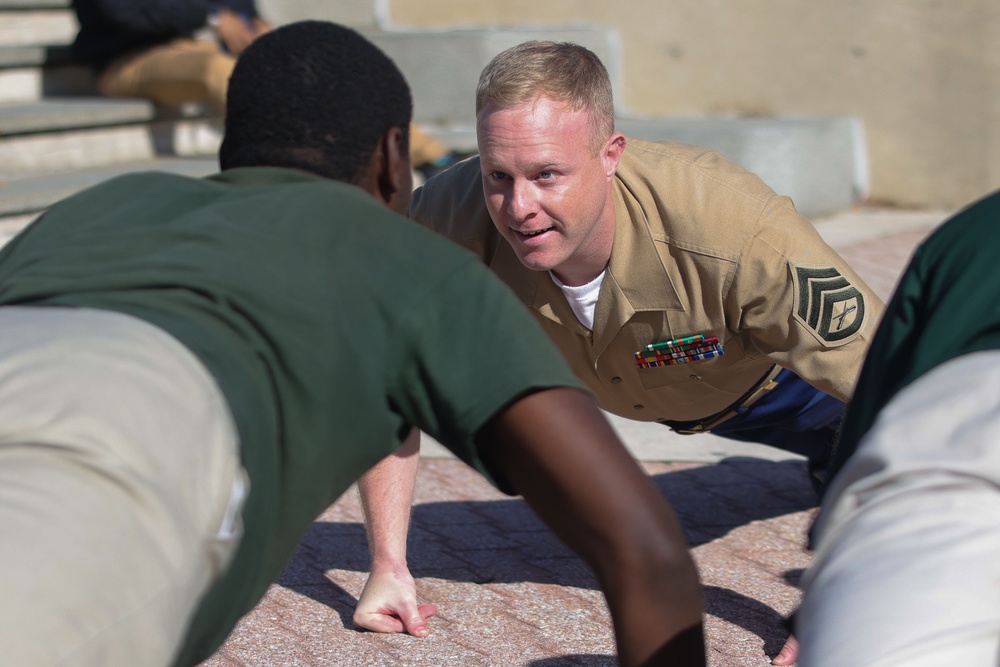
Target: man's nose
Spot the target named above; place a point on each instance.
(522, 201)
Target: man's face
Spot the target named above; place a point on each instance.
(548, 187)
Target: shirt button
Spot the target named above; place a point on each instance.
(616, 380)
(638, 407)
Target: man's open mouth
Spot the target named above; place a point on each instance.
(535, 233)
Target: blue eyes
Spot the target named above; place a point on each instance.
(542, 176)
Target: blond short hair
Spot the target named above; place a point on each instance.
(563, 71)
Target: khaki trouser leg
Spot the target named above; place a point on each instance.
(907, 570)
(181, 71)
(120, 489)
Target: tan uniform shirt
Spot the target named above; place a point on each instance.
(701, 246)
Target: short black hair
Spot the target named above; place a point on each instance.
(314, 96)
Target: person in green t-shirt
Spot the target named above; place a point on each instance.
(907, 565)
(191, 370)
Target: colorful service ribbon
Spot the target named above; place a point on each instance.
(679, 351)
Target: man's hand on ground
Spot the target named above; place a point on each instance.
(789, 652)
(388, 603)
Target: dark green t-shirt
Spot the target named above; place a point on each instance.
(330, 323)
(947, 304)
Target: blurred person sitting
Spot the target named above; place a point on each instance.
(160, 50)
(178, 52)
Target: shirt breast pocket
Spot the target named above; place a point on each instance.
(665, 376)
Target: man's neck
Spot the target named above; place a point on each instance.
(591, 259)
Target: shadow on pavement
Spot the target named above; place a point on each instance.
(578, 660)
(502, 541)
(752, 615)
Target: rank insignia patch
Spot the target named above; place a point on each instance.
(828, 303)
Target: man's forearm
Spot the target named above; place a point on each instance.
(389, 601)
(557, 450)
(386, 499)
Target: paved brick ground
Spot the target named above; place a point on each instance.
(510, 594)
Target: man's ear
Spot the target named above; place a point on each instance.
(612, 153)
(393, 171)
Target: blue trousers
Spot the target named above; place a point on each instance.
(795, 417)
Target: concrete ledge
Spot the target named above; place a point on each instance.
(55, 114)
(23, 55)
(821, 163)
(28, 55)
(30, 73)
(32, 84)
(35, 154)
(34, 4)
(76, 133)
(36, 26)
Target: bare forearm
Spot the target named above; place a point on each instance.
(561, 454)
(389, 601)
(386, 499)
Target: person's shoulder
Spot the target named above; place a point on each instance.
(130, 186)
(974, 225)
(693, 193)
(458, 187)
(452, 204)
(680, 163)
(959, 242)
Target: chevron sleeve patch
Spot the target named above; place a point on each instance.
(827, 303)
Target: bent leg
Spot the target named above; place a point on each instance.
(795, 417)
(118, 462)
(907, 570)
(176, 73)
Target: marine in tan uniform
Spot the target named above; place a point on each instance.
(700, 246)
(627, 251)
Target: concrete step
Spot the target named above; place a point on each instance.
(35, 4)
(73, 113)
(21, 199)
(52, 135)
(78, 133)
(33, 72)
(36, 24)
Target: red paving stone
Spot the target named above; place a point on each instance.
(510, 594)
(529, 601)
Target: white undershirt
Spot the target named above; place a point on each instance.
(582, 299)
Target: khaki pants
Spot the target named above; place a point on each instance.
(178, 72)
(907, 568)
(120, 488)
